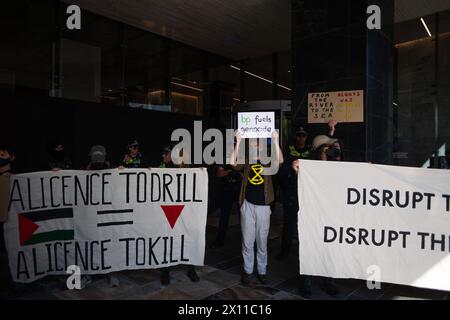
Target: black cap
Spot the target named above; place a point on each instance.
(6, 147)
(133, 143)
(168, 148)
(301, 131)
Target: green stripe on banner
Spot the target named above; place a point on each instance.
(51, 236)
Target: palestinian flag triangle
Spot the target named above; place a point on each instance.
(172, 213)
(46, 226)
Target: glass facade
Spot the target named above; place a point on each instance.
(404, 68)
(422, 104)
(112, 63)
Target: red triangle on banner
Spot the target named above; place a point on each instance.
(172, 213)
(26, 229)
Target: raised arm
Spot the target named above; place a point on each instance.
(332, 127)
(278, 152)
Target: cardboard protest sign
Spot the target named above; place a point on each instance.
(105, 221)
(342, 106)
(379, 223)
(256, 124)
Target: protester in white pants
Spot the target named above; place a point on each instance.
(255, 225)
(255, 198)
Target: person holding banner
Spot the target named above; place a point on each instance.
(167, 162)
(133, 158)
(298, 150)
(447, 159)
(325, 148)
(7, 156)
(98, 161)
(58, 158)
(256, 196)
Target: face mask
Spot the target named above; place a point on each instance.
(4, 161)
(58, 155)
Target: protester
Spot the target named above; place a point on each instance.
(7, 157)
(325, 149)
(166, 158)
(167, 162)
(298, 150)
(288, 178)
(447, 159)
(230, 183)
(256, 196)
(133, 159)
(58, 158)
(97, 156)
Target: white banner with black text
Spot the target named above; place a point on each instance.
(105, 221)
(374, 222)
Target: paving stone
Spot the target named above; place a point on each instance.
(283, 295)
(140, 277)
(223, 278)
(199, 290)
(88, 293)
(239, 292)
(169, 293)
(397, 292)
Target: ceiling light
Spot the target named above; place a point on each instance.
(185, 86)
(259, 77)
(426, 27)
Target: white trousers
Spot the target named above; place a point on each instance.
(255, 224)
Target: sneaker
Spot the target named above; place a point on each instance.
(113, 280)
(262, 278)
(85, 280)
(246, 279)
(165, 278)
(192, 274)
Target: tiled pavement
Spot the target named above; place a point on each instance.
(220, 279)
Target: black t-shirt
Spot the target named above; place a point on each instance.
(254, 192)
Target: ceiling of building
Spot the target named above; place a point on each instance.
(234, 29)
(410, 9)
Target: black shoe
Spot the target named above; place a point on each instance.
(262, 279)
(331, 289)
(165, 278)
(192, 274)
(304, 288)
(305, 292)
(282, 256)
(246, 279)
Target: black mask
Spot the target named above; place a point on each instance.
(58, 155)
(333, 154)
(4, 161)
